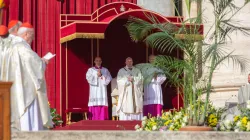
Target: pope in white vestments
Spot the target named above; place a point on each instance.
(98, 78)
(130, 88)
(29, 102)
(153, 100)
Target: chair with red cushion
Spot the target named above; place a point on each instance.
(69, 112)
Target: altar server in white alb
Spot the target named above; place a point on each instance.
(130, 88)
(153, 100)
(98, 78)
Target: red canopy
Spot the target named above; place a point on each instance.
(94, 25)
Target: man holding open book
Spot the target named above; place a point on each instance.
(29, 102)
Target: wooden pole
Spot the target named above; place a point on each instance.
(1, 16)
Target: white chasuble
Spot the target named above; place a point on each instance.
(98, 86)
(153, 90)
(22, 66)
(130, 100)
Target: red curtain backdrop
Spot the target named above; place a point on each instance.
(44, 15)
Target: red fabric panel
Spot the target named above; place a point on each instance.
(102, 2)
(63, 80)
(40, 26)
(77, 110)
(33, 21)
(109, 13)
(91, 28)
(68, 30)
(50, 43)
(80, 6)
(72, 6)
(79, 17)
(57, 59)
(79, 60)
(88, 7)
(64, 7)
(95, 5)
(14, 9)
(27, 11)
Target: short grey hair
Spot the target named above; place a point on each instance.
(23, 30)
(17, 26)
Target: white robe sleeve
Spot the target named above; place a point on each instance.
(106, 78)
(159, 79)
(30, 63)
(138, 80)
(92, 77)
(122, 80)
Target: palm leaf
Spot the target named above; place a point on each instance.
(238, 61)
(138, 28)
(148, 71)
(163, 41)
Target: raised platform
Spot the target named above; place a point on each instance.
(101, 125)
(128, 135)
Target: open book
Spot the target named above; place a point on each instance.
(49, 55)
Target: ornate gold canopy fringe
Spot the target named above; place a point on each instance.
(82, 35)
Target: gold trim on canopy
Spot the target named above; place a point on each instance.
(82, 35)
(194, 37)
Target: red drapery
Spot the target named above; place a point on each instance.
(44, 16)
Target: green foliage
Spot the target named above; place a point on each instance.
(185, 73)
(56, 118)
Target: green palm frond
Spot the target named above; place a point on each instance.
(138, 28)
(148, 72)
(223, 5)
(173, 68)
(238, 61)
(234, 26)
(163, 41)
(214, 50)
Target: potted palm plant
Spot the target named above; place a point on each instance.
(184, 73)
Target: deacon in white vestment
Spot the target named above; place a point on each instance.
(98, 78)
(130, 88)
(29, 102)
(153, 100)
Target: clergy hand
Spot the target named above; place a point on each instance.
(45, 61)
(99, 74)
(130, 78)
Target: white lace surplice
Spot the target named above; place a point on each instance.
(98, 86)
(153, 91)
